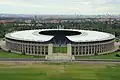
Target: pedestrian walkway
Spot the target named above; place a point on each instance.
(59, 56)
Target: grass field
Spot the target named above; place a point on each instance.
(105, 56)
(52, 71)
(4, 54)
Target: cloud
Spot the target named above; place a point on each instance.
(107, 9)
(113, 2)
(18, 3)
(60, 6)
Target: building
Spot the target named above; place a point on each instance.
(68, 41)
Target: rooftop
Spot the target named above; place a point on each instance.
(84, 36)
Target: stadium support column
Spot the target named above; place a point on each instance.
(50, 49)
(69, 49)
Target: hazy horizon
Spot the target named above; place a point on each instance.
(60, 7)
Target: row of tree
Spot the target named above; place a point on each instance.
(106, 26)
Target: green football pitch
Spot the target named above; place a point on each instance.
(59, 49)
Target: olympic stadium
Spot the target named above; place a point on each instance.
(70, 42)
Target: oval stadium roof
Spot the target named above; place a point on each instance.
(85, 36)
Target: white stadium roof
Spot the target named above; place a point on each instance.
(85, 36)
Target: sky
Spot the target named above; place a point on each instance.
(84, 7)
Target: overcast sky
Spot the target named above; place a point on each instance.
(85, 7)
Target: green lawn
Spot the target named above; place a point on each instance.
(71, 71)
(105, 56)
(4, 54)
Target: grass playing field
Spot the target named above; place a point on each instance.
(59, 49)
(59, 71)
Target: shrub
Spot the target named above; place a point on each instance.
(118, 55)
(96, 54)
(118, 50)
(23, 53)
(9, 51)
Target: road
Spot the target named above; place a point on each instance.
(107, 61)
(22, 59)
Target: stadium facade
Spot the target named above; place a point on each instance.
(67, 41)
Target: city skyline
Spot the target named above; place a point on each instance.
(67, 7)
